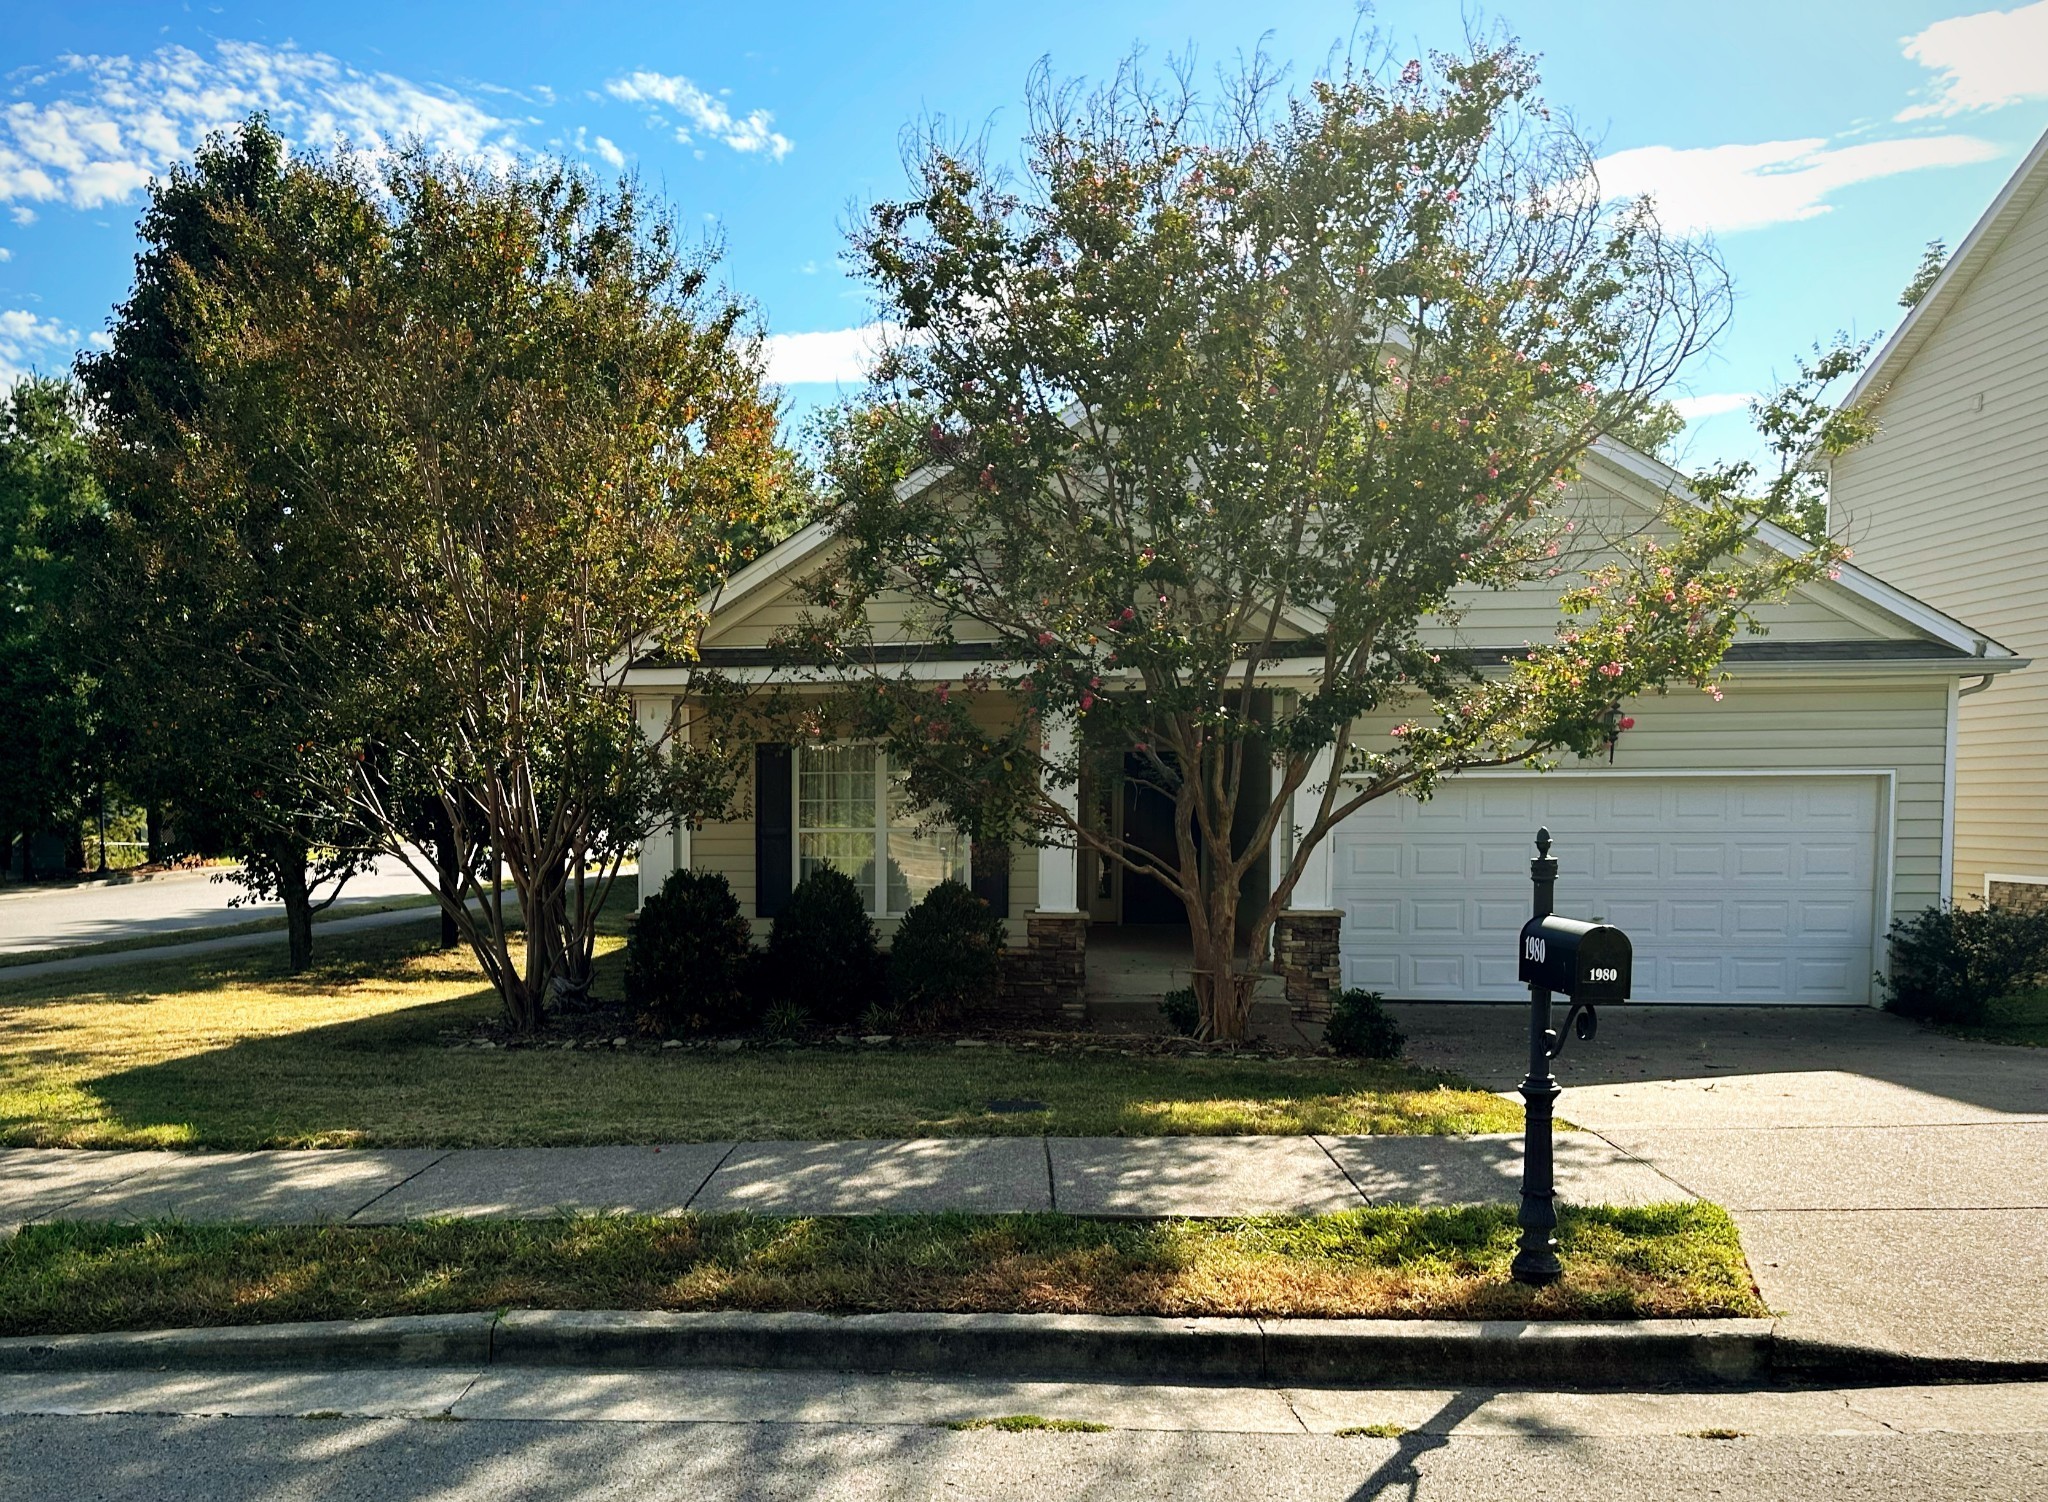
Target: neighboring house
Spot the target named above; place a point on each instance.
(1755, 847)
(1950, 501)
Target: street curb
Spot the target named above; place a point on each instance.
(403, 1340)
(1333, 1352)
(1131, 1347)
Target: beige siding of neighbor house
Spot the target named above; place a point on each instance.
(1805, 724)
(1950, 503)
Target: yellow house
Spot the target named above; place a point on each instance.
(1950, 501)
(1756, 845)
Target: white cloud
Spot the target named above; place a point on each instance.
(6, 254)
(600, 147)
(95, 129)
(700, 111)
(30, 339)
(23, 214)
(1983, 61)
(1738, 187)
(837, 356)
(1713, 404)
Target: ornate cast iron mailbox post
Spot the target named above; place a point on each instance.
(1590, 963)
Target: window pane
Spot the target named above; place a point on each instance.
(845, 851)
(919, 861)
(836, 788)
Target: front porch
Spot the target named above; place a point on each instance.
(1112, 935)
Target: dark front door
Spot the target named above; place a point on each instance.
(1148, 824)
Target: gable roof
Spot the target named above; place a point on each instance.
(1625, 469)
(2019, 194)
(1621, 461)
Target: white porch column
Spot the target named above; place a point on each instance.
(1059, 865)
(658, 850)
(1312, 892)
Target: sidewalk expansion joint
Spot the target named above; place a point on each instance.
(1356, 1188)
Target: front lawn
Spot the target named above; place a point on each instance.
(226, 1050)
(1662, 1261)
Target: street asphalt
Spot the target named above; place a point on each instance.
(512, 1434)
(65, 914)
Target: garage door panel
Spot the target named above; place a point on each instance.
(1430, 858)
(1734, 889)
(1432, 918)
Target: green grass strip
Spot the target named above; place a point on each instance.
(1665, 1260)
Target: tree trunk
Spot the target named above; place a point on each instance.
(153, 824)
(298, 905)
(448, 872)
(28, 858)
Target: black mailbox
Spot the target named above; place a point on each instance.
(1589, 962)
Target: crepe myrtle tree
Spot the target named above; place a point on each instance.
(543, 434)
(1207, 396)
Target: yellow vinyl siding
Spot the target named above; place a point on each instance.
(1950, 503)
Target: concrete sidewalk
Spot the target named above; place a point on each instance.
(1105, 1176)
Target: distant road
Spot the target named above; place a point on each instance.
(58, 917)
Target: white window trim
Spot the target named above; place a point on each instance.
(878, 898)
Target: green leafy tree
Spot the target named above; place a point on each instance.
(1932, 262)
(49, 509)
(547, 435)
(1251, 391)
(221, 590)
(1803, 428)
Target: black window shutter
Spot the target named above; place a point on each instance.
(990, 871)
(774, 834)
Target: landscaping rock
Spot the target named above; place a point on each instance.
(876, 1038)
(729, 1045)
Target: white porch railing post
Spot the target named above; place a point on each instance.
(1059, 863)
(658, 850)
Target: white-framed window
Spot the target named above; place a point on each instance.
(850, 808)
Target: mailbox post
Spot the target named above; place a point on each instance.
(1590, 963)
(1536, 1262)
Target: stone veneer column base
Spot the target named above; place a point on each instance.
(1305, 953)
(1046, 980)
(2018, 896)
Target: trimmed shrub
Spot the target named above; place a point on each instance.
(1183, 1013)
(1359, 1027)
(947, 954)
(822, 952)
(687, 955)
(1949, 964)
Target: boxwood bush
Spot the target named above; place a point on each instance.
(1949, 964)
(822, 952)
(687, 954)
(1359, 1027)
(947, 954)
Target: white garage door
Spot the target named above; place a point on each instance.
(1738, 889)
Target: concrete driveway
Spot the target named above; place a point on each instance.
(1891, 1183)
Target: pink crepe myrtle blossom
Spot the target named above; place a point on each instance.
(1610, 670)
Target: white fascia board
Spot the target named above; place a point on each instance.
(1893, 601)
(1983, 238)
(799, 547)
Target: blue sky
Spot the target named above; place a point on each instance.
(1819, 144)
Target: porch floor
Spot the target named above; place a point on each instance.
(1130, 966)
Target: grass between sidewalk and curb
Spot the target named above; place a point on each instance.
(1663, 1261)
(369, 908)
(225, 1050)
